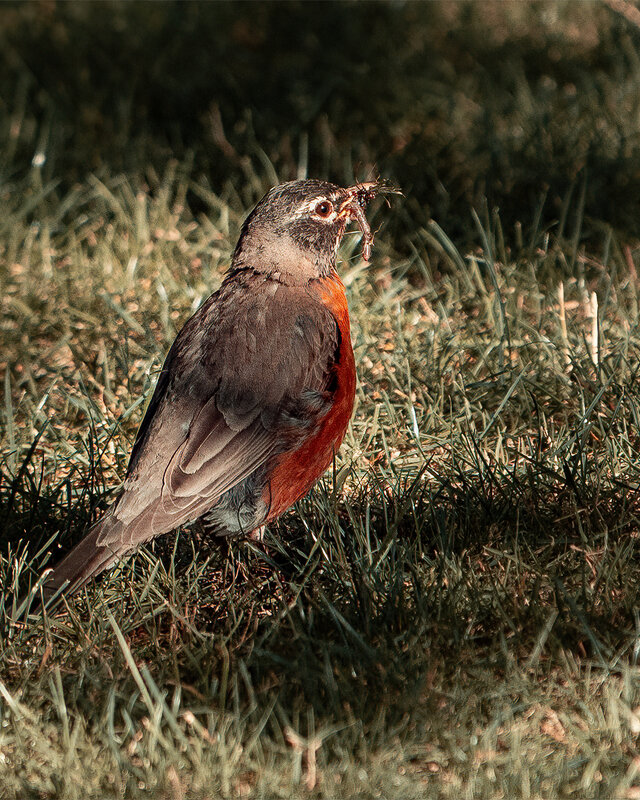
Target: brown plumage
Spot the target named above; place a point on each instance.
(257, 389)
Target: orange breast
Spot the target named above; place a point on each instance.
(296, 471)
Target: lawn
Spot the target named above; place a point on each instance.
(453, 610)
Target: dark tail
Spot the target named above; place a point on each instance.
(87, 559)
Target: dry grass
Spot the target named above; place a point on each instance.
(453, 611)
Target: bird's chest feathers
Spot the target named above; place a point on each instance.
(332, 294)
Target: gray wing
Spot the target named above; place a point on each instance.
(237, 371)
(233, 392)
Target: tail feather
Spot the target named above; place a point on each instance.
(86, 560)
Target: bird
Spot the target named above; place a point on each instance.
(256, 392)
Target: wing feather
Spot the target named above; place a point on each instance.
(218, 414)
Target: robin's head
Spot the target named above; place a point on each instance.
(295, 230)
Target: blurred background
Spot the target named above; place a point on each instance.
(532, 108)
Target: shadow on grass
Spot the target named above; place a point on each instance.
(353, 602)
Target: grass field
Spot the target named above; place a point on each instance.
(453, 611)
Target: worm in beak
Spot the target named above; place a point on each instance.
(354, 207)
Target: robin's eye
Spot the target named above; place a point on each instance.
(324, 208)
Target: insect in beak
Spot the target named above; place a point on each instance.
(354, 206)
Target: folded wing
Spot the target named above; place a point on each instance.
(222, 408)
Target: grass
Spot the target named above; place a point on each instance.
(452, 612)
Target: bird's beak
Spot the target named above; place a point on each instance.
(352, 208)
(354, 204)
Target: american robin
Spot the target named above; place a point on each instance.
(256, 392)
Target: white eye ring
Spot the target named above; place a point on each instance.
(323, 209)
